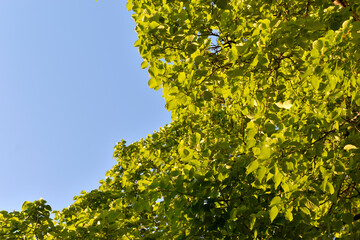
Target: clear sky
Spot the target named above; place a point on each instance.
(71, 86)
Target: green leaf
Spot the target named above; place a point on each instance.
(289, 215)
(330, 188)
(252, 221)
(172, 104)
(254, 165)
(305, 210)
(190, 38)
(324, 186)
(182, 77)
(195, 138)
(221, 3)
(221, 177)
(137, 43)
(285, 187)
(276, 200)
(208, 95)
(138, 207)
(346, 25)
(129, 5)
(263, 26)
(263, 60)
(154, 83)
(339, 166)
(270, 128)
(261, 173)
(265, 152)
(153, 25)
(273, 213)
(277, 179)
(255, 61)
(233, 214)
(269, 176)
(233, 54)
(144, 64)
(349, 147)
(348, 218)
(250, 142)
(315, 81)
(286, 105)
(318, 45)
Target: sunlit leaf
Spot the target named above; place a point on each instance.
(286, 105)
(273, 213)
(144, 64)
(252, 167)
(349, 147)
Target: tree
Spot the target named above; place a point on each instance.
(264, 140)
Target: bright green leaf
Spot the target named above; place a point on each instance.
(286, 105)
(182, 77)
(276, 200)
(273, 213)
(288, 215)
(277, 179)
(330, 188)
(261, 173)
(154, 83)
(350, 147)
(154, 25)
(265, 152)
(254, 165)
(252, 221)
(129, 5)
(305, 210)
(144, 64)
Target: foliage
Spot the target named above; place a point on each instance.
(33, 220)
(265, 134)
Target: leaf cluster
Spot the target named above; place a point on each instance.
(265, 137)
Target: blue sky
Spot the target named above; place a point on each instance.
(70, 88)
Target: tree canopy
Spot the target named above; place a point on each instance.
(265, 133)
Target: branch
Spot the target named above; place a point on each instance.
(307, 7)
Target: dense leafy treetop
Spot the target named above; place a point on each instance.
(264, 141)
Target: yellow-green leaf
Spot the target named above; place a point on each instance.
(154, 83)
(265, 152)
(286, 105)
(330, 188)
(275, 201)
(261, 173)
(181, 77)
(350, 147)
(288, 215)
(252, 167)
(252, 221)
(273, 213)
(154, 25)
(129, 5)
(305, 210)
(277, 179)
(144, 64)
